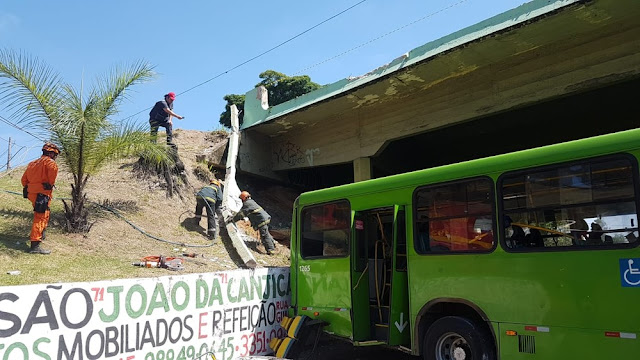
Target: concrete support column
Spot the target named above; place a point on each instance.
(361, 169)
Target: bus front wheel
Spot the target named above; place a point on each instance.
(457, 338)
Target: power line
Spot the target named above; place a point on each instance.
(12, 142)
(21, 161)
(14, 155)
(380, 37)
(18, 127)
(259, 55)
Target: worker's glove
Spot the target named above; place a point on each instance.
(25, 192)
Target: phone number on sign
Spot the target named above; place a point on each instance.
(225, 349)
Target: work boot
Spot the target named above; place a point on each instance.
(36, 249)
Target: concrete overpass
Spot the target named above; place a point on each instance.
(544, 72)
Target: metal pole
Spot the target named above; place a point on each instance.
(9, 155)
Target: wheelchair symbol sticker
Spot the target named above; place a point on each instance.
(630, 272)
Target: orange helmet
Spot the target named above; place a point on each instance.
(244, 195)
(51, 147)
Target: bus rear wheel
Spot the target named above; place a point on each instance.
(457, 338)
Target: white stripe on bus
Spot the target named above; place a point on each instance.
(536, 328)
(621, 335)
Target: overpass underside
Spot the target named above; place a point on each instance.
(569, 74)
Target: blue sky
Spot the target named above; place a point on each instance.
(190, 42)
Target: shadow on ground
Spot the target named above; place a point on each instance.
(332, 348)
(228, 245)
(191, 224)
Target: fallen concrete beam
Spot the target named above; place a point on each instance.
(231, 202)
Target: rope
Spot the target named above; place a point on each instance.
(115, 212)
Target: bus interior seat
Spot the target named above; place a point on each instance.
(608, 240)
(534, 238)
(594, 237)
(440, 248)
(422, 243)
(518, 237)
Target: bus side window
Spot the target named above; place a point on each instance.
(454, 217)
(325, 230)
(553, 204)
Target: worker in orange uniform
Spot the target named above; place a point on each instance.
(38, 181)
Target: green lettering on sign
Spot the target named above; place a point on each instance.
(216, 292)
(158, 299)
(115, 290)
(180, 285)
(134, 314)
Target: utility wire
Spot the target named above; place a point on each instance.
(12, 142)
(257, 56)
(14, 155)
(117, 213)
(18, 127)
(380, 37)
(20, 162)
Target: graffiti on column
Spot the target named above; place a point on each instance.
(288, 153)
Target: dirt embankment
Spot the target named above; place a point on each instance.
(195, 147)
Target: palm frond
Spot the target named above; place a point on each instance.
(111, 88)
(30, 90)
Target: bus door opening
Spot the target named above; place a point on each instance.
(373, 274)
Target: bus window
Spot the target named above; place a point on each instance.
(456, 217)
(586, 204)
(325, 230)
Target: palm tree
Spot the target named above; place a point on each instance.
(38, 99)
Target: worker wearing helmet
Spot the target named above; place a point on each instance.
(160, 115)
(38, 181)
(210, 198)
(259, 220)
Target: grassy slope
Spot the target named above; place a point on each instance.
(108, 250)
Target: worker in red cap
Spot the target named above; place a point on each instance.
(37, 182)
(160, 115)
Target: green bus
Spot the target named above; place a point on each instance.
(532, 253)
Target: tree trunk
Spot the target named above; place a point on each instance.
(76, 214)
